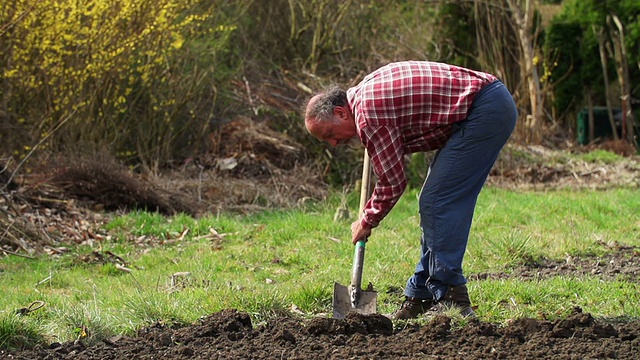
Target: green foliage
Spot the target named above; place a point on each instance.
(514, 248)
(150, 80)
(85, 321)
(558, 294)
(571, 43)
(18, 333)
(454, 22)
(566, 57)
(600, 156)
(312, 297)
(122, 74)
(417, 170)
(110, 270)
(148, 307)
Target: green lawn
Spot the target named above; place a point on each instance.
(278, 261)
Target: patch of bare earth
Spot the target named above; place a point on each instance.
(620, 262)
(231, 335)
(531, 167)
(253, 169)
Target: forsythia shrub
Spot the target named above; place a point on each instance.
(107, 72)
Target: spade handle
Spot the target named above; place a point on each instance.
(358, 256)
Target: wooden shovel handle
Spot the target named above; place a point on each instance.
(365, 187)
(358, 257)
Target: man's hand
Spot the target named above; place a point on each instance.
(359, 231)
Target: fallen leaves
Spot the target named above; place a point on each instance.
(42, 228)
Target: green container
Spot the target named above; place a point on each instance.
(601, 125)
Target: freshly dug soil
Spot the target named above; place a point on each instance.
(231, 335)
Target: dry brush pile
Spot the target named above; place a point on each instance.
(67, 200)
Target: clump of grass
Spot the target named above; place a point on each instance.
(149, 307)
(18, 333)
(312, 298)
(83, 321)
(600, 155)
(263, 306)
(513, 249)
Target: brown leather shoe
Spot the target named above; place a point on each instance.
(458, 297)
(411, 308)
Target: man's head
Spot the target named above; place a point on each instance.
(328, 117)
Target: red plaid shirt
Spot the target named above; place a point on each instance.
(408, 107)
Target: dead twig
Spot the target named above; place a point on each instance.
(5, 251)
(122, 268)
(47, 279)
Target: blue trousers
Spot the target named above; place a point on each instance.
(448, 197)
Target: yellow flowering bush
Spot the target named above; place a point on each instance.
(118, 73)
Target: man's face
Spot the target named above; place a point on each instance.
(338, 132)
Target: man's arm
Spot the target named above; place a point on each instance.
(385, 146)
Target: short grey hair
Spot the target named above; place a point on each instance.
(322, 109)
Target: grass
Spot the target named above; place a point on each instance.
(274, 262)
(16, 332)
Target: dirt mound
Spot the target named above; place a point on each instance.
(231, 335)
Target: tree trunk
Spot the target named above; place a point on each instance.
(522, 12)
(607, 87)
(623, 78)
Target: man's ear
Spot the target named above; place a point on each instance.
(340, 112)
